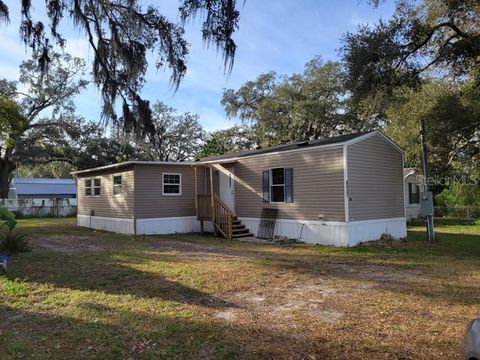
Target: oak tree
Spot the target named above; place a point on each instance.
(121, 33)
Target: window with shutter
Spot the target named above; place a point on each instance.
(278, 185)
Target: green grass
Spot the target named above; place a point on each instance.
(87, 294)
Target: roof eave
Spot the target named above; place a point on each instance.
(128, 163)
(309, 148)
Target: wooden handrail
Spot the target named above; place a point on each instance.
(221, 215)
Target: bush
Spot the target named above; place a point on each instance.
(13, 242)
(7, 219)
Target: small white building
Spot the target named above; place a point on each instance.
(412, 188)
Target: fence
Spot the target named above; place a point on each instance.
(464, 212)
(56, 207)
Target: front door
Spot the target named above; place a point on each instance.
(226, 182)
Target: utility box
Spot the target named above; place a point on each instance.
(426, 203)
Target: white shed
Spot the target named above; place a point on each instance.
(412, 188)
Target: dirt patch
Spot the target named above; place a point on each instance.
(307, 298)
(376, 273)
(68, 244)
(320, 298)
(198, 251)
(230, 314)
(181, 249)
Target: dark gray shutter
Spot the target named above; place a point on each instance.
(288, 185)
(266, 186)
(410, 195)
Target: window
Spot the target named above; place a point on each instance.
(97, 184)
(117, 184)
(88, 187)
(277, 185)
(413, 193)
(172, 184)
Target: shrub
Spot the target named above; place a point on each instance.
(7, 219)
(13, 242)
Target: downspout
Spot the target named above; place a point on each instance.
(346, 197)
(134, 201)
(403, 187)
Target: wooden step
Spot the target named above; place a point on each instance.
(239, 226)
(236, 236)
(238, 231)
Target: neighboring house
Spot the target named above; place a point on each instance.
(42, 197)
(412, 188)
(42, 188)
(339, 191)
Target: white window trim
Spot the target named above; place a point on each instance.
(179, 185)
(86, 187)
(96, 187)
(120, 186)
(271, 184)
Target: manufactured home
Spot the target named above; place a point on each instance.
(336, 191)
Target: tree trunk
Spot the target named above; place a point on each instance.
(6, 169)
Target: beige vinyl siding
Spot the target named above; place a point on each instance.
(317, 184)
(107, 204)
(375, 180)
(149, 201)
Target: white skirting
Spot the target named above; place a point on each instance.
(170, 225)
(333, 232)
(155, 226)
(117, 225)
(366, 230)
(313, 232)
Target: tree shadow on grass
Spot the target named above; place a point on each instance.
(103, 273)
(412, 268)
(100, 272)
(132, 335)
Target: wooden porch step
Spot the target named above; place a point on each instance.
(239, 230)
(238, 226)
(236, 236)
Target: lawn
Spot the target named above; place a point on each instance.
(83, 294)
